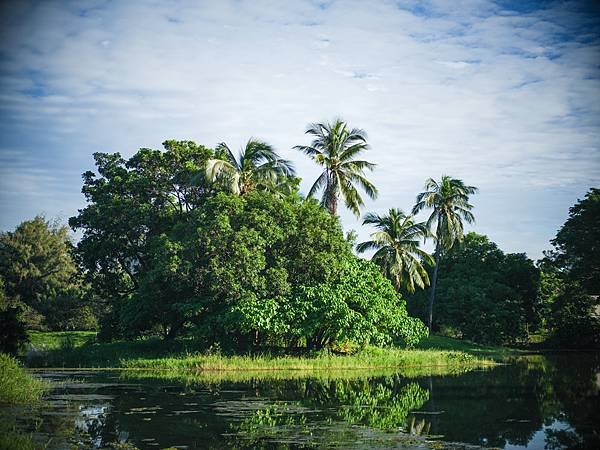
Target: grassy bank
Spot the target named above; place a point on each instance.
(16, 385)
(484, 351)
(437, 356)
(369, 358)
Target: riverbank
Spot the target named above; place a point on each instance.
(77, 350)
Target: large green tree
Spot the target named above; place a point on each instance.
(130, 204)
(40, 275)
(173, 253)
(571, 276)
(335, 148)
(448, 200)
(577, 243)
(397, 248)
(257, 167)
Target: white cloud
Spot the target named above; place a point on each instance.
(505, 100)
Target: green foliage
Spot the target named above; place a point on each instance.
(397, 252)
(12, 328)
(172, 254)
(574, 319)
(47, 340)
(360, 305)
(335, 147)
(13, 336)
(258, 167)
(41, 278)
(16, 385)
(448, 200)
(570, 278)
(131, 204)
(577, 243)
(485, 295)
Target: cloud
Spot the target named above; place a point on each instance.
(503, 95)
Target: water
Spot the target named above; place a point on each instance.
(536, 402)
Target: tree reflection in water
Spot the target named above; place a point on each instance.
(550, 401)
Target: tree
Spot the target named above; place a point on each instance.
(37, 268)
(258, 167)
(334, 147)
(484, 294)
(397, 252)
(577, 243)
(449, 201)
(572, 277)
(130, 204)
(12, 329)
(171, 253)
(358, 304)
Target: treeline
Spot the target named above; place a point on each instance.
(488, 296)
(192, 241)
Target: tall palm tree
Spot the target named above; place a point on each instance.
(334, 147)
(397, 248)
(448, 200)
(257, 167)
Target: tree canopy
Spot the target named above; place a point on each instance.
(484, 295)
(335, 147)
(174, 252)
(40, 277)
(397, 248)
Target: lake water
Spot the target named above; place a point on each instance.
(535, 402)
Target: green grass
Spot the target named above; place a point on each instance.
(16, 385)
(42, 340)
(369, 358)
(437, 342)
(182, 356)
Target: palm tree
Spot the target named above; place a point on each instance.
(258, 167)
(448, 200)
(334, 147)
(397, 248)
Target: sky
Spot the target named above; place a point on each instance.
(502, 94)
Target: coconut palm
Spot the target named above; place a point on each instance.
(396, 244)
(448, 200)
(257, 167)
(334, 147)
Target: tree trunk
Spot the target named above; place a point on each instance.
(432, 289)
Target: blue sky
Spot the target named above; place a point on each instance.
(505, 95)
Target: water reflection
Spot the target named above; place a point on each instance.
(548, 402)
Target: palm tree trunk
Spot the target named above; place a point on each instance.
(432, 289)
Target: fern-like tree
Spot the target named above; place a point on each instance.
(257, 167)
(335, 148)
(448, 200)
(397, 248)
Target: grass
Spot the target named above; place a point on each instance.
(437, 342)
(369, 358)
(16, 385)
(42, 340)
(182, 356)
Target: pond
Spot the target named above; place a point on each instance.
(534, 402)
